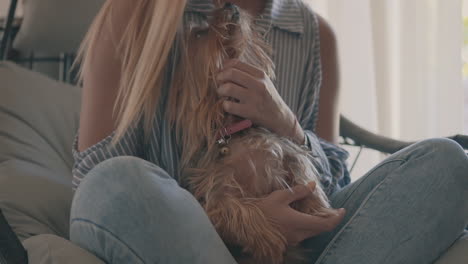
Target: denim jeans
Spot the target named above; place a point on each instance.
(409, 209)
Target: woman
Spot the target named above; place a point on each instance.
(128, 210)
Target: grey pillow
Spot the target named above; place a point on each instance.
(32, 203)
(55, 26)
(38, 120)
(50, 249)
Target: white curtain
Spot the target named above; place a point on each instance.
(401, 67)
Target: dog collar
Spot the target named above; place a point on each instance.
(226, 132)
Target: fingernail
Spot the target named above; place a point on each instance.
(342, 210)
(312, 186)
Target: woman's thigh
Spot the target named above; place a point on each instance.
(408, 209)
(128, 210)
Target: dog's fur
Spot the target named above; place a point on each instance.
(259, 162)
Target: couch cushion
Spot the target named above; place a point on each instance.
(31, 202)
(55, 26)
(38, 120)
(50, 249)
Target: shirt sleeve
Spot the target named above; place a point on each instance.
(128, 145)
(330, 158)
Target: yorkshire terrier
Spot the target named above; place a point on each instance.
(229, 165)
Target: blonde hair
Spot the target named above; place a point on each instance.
(193, 107)
(144, 49)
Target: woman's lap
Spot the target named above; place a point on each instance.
(128, 210)
(409, 209)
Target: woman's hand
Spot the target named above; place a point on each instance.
(294, 225)
(257, 99)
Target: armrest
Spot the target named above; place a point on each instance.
(365, 138)
(462, 140)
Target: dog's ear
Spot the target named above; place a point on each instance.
(198, 112)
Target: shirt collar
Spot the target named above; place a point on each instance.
(283, 14)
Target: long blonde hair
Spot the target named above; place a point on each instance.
(144, 50)
(145, 46)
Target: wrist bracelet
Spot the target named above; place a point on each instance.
(306, 144)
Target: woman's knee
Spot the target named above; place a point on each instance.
(448, 153)
(118, 183)
(442, 146)
(129, 201)
(123, 170)
(446, 162)
(443, 151)
(121, 194)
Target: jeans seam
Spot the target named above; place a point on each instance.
(105, 230)
(333, 243)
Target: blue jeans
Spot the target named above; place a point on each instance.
(408, 209)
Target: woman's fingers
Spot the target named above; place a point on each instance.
(264, 106)
(238, 77)
(295, 225)
(250, 69)
(314, 225)
(237, 109)
(305, 226)
(296, 193)
(234, 91)
(300, 192)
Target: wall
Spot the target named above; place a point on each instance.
(356, 52)
(401, 66)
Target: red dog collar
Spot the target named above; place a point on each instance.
(226, 132)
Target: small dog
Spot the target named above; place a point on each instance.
(228, 164)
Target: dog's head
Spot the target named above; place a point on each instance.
(229, 34)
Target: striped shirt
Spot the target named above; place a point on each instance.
(291, 28)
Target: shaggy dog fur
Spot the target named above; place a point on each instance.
(229, 186)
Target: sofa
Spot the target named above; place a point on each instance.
(38, 119)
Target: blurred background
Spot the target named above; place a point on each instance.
(404, 66)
